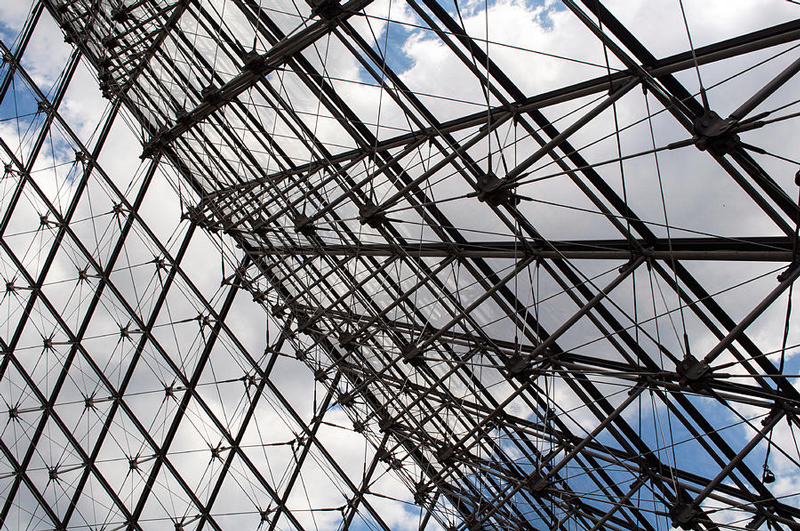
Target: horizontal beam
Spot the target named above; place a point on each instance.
(760, 249)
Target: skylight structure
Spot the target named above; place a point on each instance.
(400, 264)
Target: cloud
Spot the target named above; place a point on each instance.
(540, 47)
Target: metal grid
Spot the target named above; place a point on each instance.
(544, 307)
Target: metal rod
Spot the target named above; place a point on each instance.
(566, 325)
(769, 423)
(734, 334)
(768, 89)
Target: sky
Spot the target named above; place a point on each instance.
(540, 47)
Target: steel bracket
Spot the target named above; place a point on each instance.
(684, 515)
(693, 373)
(714, 134)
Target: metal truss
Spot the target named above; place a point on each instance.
(520, 305)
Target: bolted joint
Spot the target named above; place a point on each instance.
(216, 452)
(120, 15)
(421, 491)
(517, 365)
(684, 515)
(346, 399)
(211, 95)
(491, 190)
(250, 380)
(385, 456)
(786, 273)
(394, 464)
(125, 331)
(108, 90)
(382, 454)
(205, 321)
(104, 63)
(347, 340)
(44, 221)
(412, 355)
(183, 117)
(160, 263)
(303, 225)
(110, 42)
(259, 296)
(714, 134)
(169, 391)
(445, 454)
(103, 73)
(153, 147)
(255, 62)
(630, 264)
(386, 423)
(326, 9)
(779, 409)
(537, 485)
(371, 215)
(307, 322)
(693, 373)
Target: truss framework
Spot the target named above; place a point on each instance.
(510, 372)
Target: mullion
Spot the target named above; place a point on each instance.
(48, 410)
(78, 347)
(321, 339)
(190, 391)
(608, 313)
(366, 133)
(64, 225)
(254, 400)
(315, 304)
(23, 40)
(54, 247)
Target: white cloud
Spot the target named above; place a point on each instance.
(518, 31)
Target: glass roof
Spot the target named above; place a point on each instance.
(399, 264)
